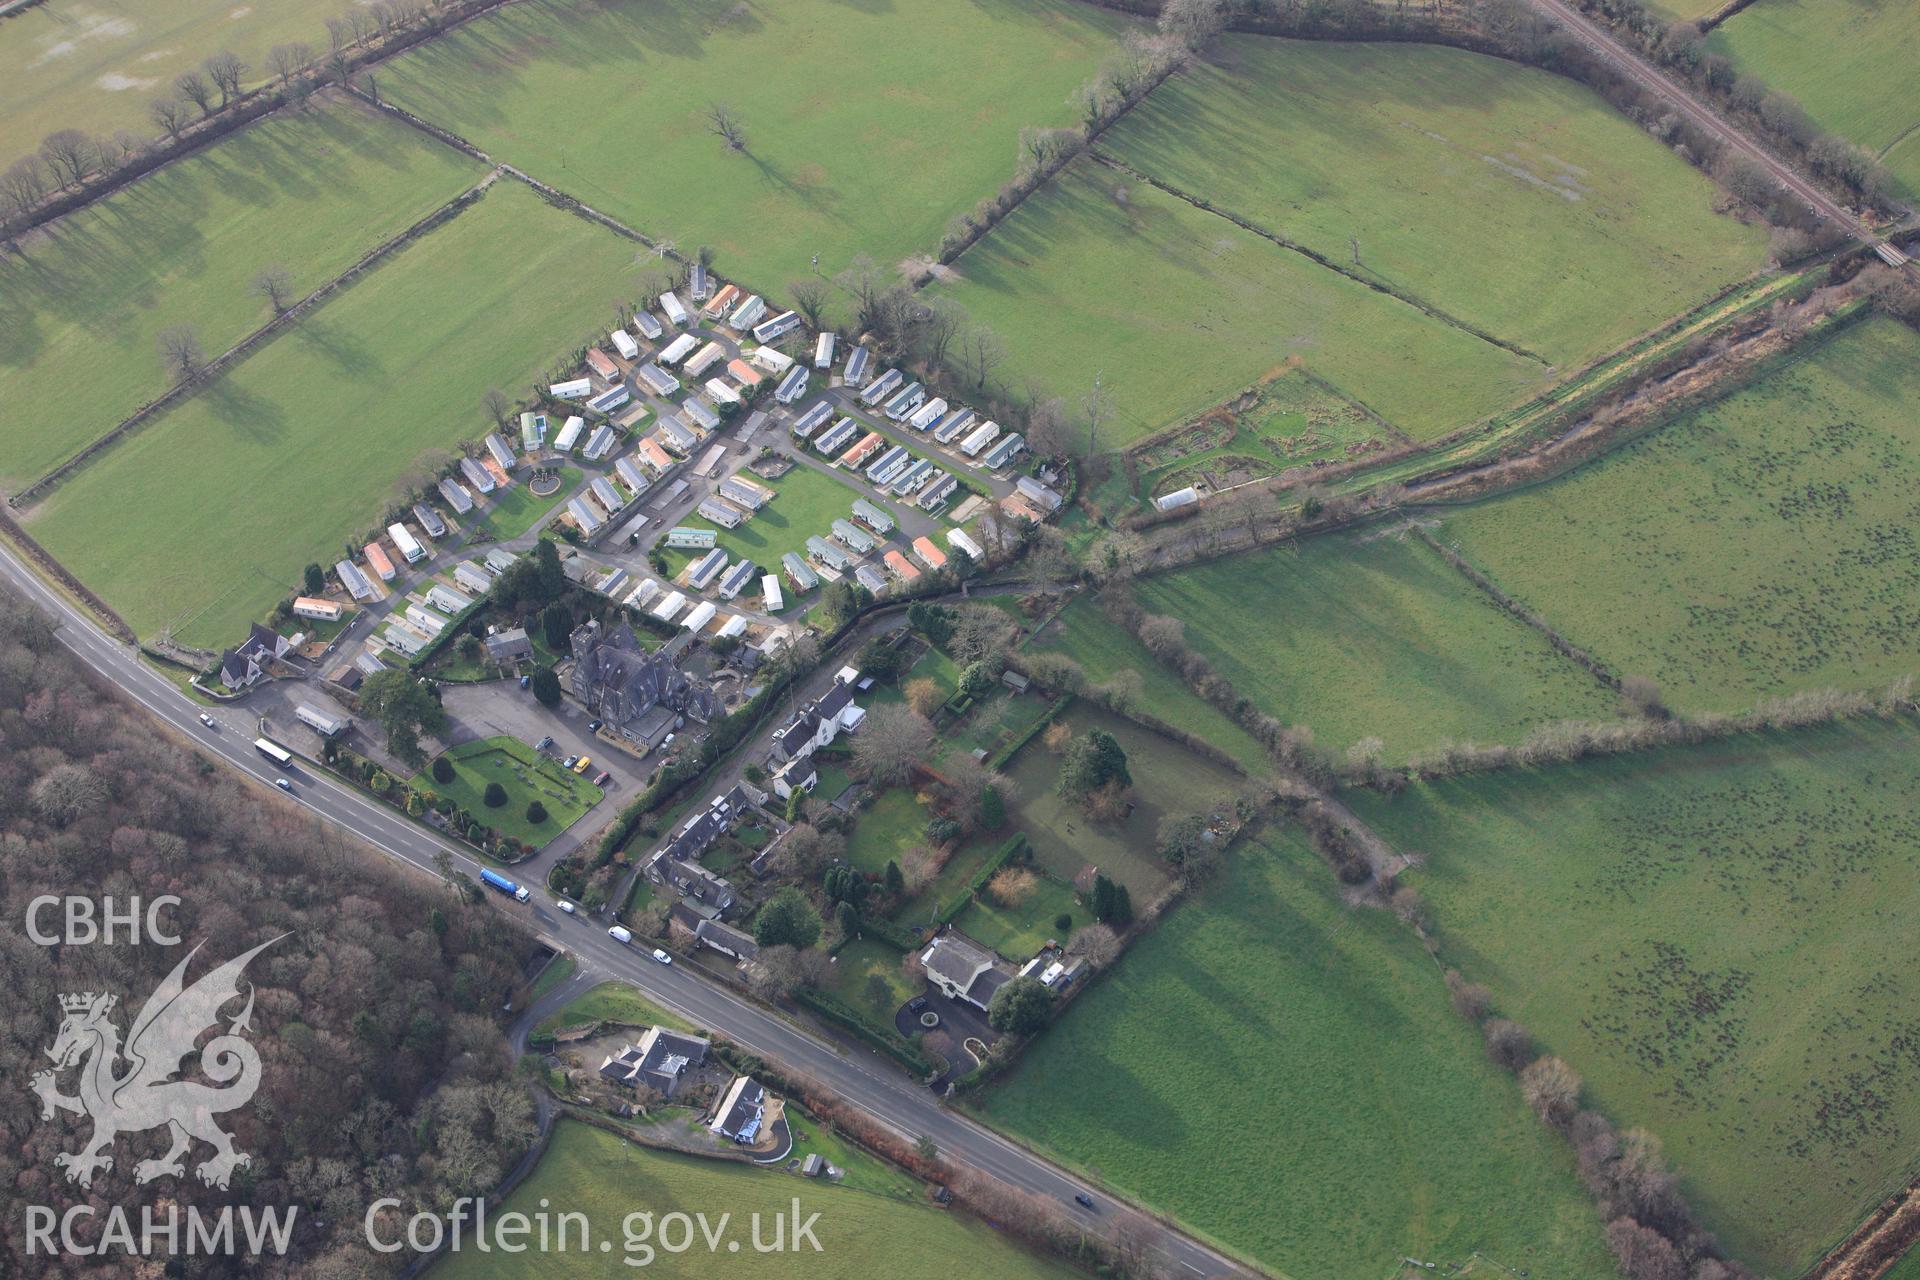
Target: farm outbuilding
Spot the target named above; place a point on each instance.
(456, 495)
(1178, 498)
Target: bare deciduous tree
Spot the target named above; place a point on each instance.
(181, 352)
(197, 89)
(226, 70)
(1193, 22)
(1552, 1089)
(980, 354)
(287, 60)
(891, 741)
(70, 154)
(496, 406)
(24, 182)
(939, 330)
(810, 298)
(170, 114)
(274, 283)
(862, 280)
(1098, 943)
(724, 122)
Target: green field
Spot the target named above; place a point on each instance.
(94, 65)
(1849, 62)
(1511, 198)
(203, 519)
(80, 313)
(1376, 637)
(1760, 545)
(1175, 307)
(613, 1002)
(1720, 940)
(868, 127)
(861, 1233)
(806, 503)
(525, 774)
(1167, 779)
(1283, 1074)
(1104, 650)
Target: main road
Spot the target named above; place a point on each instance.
(859, 1077)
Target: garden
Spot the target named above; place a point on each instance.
(500, 781)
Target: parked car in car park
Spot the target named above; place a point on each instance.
(544, 743)
(603, 779)
(580, 765)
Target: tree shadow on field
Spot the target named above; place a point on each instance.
(251, 415)
(339, 346)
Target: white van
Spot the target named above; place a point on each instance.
(619, 934)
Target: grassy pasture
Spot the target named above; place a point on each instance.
(203, 519)
(80, 312)
(1849, 62)
(868, 127)
(525, 775)
(1267, 1030)
(1762, 544)
(1103, 650)
(1176, 307)
(1720, 940)
(1167, 779)
(862, 1233)
(94, 65)
(1375, 638)
(1511, 198)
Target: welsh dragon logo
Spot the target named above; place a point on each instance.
(147, 1093)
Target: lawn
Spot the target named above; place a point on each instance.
(1760, 545)
(1167, 780)
(1266, 1032)
(1513, 199)
(202, 520)
(1720, 940)
(1104, 650)
(1850, 64)
(805, 504)
(882, 833)
(1372, 637)
(861, 1233)
(517, 510)
(82, 311)
(1174, 308)
(94, 65)
(1018, 930)
(612, 1002)
(868, 127)
(526, 776)
(857, 964)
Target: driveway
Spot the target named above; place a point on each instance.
(961, 1022)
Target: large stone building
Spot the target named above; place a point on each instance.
(642, 696)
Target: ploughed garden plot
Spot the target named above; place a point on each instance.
(1282, 1072)
(1763, 544)
(1720, 940)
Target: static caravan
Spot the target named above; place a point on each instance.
(882, 387)
(533, 431)
(447, 600)
(949, 427)
(430, 520)
(902, 567)
(456, 495)
(569, 434)
(700, 616)
(928, 554)
(793, 386)
(912, 478)
(677, 436)
(910, 398)
(610, 399)
(687, 538)
(704, 359)
(406, 543)
(404, 640)
(835, 436)
(499, 450)
(736, 579)
(888, 465)
(1005, 450)
(771, 359)
(745, 492)
(476, 475)
(873, 516)
(784, 323)
(747, 314)
(353, 580)
(573, 389)
(615, 584)
(319, 721)
(583, 515)
(472, 577)
(606, 495)
(722, 302)
(982, 436)
(823, 351)
(700, 412)
(743, 373)
(733, 626)
(679, 349)
(710, 461)
(870, 444)
(602, 365)
(600, 444)
(673, 309)
(927, 414)
(828, 554)
(652, 457)
(812, 420)
(316, 609)
(668, 607)
(852, 536)
(858, 364)
(644, 594)
(424, 619)
(631, 475)
(699, 282)
(648, 327)
(656, 379)
(721, 512)
(723, 393)
(802, 577)
(871, 578)
(623, 343)
(935, 495)
(964, 541)
(706, 569)
(770, 592)
(500, 559)
(1037, 493)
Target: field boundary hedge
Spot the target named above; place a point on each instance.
(43, 559)
(1014, 846)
